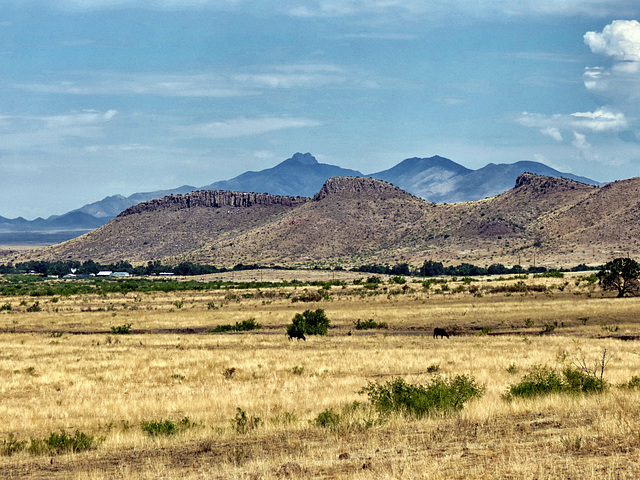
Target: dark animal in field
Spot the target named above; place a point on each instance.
(296, 334)
(440, 332)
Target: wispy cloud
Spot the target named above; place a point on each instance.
(244, 127)
(470, 8)
(598, 121)
(220, 85)
(384, 9)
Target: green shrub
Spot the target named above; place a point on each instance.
(632, 384)
(6, 306)
(439, 396)
(328, 419)
(577, 381)
(540, 380)
(122, 329)
(244, 326)
(543, 380)
(35, 307)
(156, 429)
(398, 280)
(58, 443)
(166, 427)
(244, 423)
(369, 324)
(309, 323)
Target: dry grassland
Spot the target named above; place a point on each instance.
(62, 369)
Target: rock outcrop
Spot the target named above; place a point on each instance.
(213, 199)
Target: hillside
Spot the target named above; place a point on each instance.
(435, 179)
(354, 221)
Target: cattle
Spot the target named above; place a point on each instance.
(296, 334)
(440, 332)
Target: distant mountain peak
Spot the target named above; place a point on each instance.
(304, 158)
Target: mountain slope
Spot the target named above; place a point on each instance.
(301, 175)
(363, 220)
(440, 180)
(429, 178)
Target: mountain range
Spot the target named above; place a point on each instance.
(360, 220)
(434, 179)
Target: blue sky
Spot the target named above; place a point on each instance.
(99, 97)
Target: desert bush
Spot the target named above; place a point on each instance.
(328, 419)
(438, 396)
(399, 280)
(6, 306)
(577, 381)
(12, 445)
(122, 329)
(58, 443)
(353, 417)
(166, 427)
(35, 307)
(540, 380)
(179, 303)
(543, 380)
(369, 324)
(632, 384)
(311, 296)
(244, 326)
(309, 323)
(244, 423)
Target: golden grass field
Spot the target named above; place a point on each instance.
(61, 369)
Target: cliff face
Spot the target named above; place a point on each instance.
(213, 199)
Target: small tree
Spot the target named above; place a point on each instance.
(621, 275)
(310, 323)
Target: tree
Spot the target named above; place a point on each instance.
(309, 323)
(432, 269)
(621, 275)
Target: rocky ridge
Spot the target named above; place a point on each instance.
(213, 199)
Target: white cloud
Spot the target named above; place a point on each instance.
(601, 120)
(243, 127)
(616, 88)
(620, 40)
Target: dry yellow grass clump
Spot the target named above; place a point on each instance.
(63, 370)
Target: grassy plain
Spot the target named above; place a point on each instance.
(62, 369)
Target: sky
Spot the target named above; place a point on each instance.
(104, 97)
